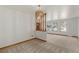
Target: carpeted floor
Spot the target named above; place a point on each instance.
(34, 46)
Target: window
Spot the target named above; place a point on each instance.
(63, 26)
(56, 26)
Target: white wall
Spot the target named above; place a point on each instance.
(15, 26)
(72, 26)
(40, 35)
(78, 27)
(67, 13)
(62, 12)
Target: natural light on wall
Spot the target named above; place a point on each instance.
(55, 15)
(49, 16)
(64, 13)
(56, 22)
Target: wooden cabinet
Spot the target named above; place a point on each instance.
(40, 20)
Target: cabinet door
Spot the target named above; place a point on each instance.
(40, 21)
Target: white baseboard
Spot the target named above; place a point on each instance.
(13, 43)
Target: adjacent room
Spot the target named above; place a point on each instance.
(39, 28)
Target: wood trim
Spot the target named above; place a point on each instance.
(45, 21)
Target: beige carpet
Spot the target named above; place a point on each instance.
(35, 46)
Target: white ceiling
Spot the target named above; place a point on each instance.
(55, 10)
(25, 7)
(33, 7)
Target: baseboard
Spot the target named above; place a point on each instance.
(57, 34)
(16, 43)
(75, 36)
(21, 42)
(63, 35)
(40, 39)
